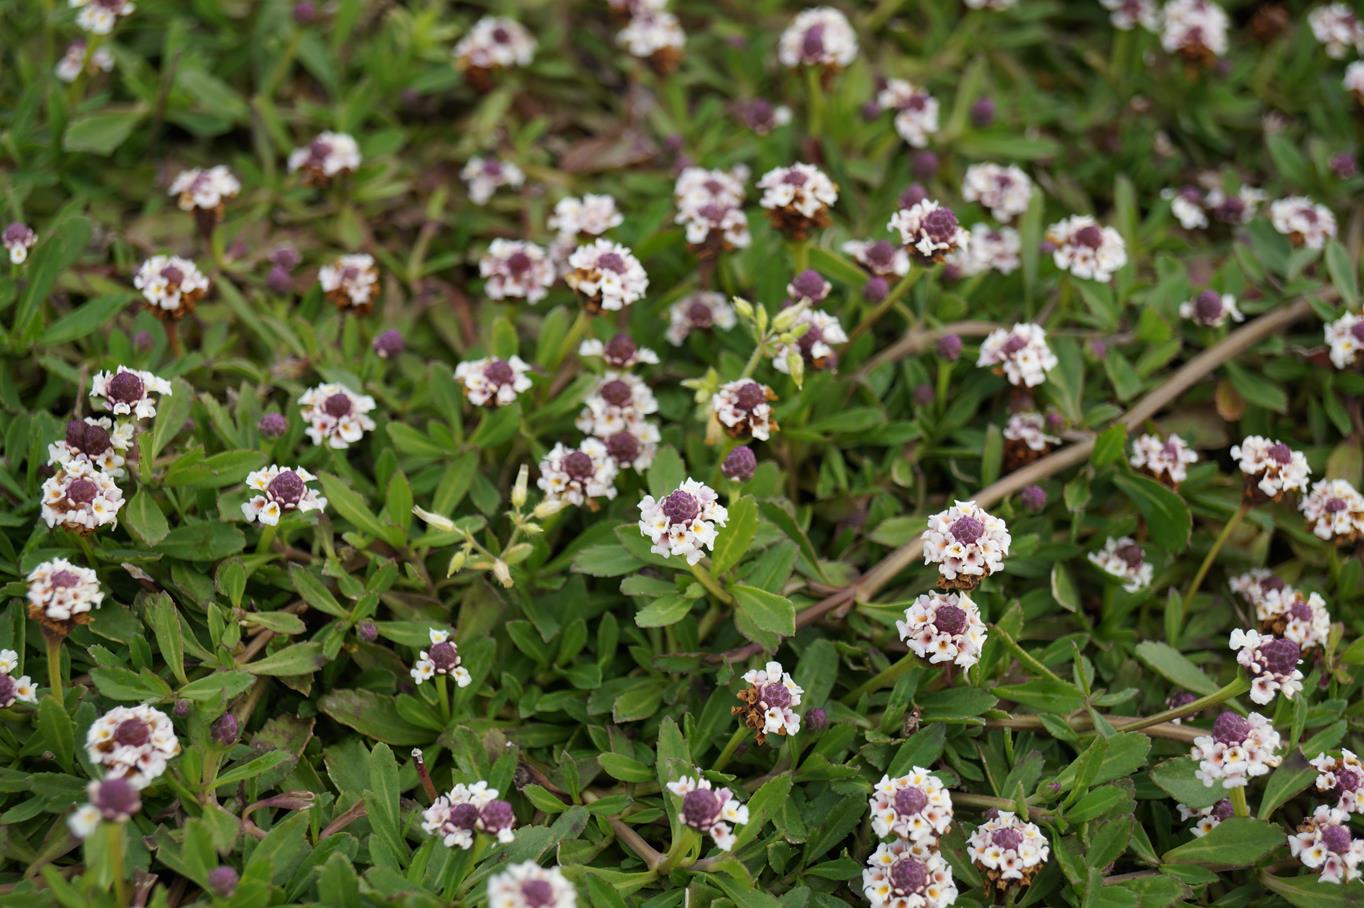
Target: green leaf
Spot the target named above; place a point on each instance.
(606, 560)
(124, 684)
(54, 256)
(638, 701)
(143, 518)
(102, 132)
(314, 591)
(164, 621)
(626, 769)
(1175, 667)
(1177, 779)
(373, 715)
(1343, 273)
(734, 538)
(1307, 891)
(1235, 842)
(1166, 514)
(663, 611)
(1292, 777)
(228, 468)
(295, 659)
(1044, 694)
(1257, 389)
(227, 684)
(252, 768)
(171, 413)
(667, 472)
(787, 524)
(57, 729)
(85, 319)
(381, 808)
(210, 541)
(766, 611)
(344, 500)
(1109, 446)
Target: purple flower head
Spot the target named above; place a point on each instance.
(870, 111)
(908, 876)
(1343, 165)
(1337, 839)
(82, 491)
(949, 347)
(775, 695)
(616, 393)
(809, 284)
(125, 388)
(1357, 331)
(444, 655)
(337, 406)
(875, 289)
(681, 507)
(1034, 498)
(537, 893)
(17, 233)
(223, 881)
(389, 344)
(1300, 609)
(279, 281)
(464, 816)
(1007, 838)
(1280, 656)
(116, 798)
(750, 396)
(623, 447)
(8, 691)
(740, 464)
(90, 439)
(924, 164)
(287, 488)
(1222, 810)
(367, 631)
(1131, 554)
(1180, 698)
(132, 733)
(967, 530)
(142, 341)
(699, 315)
(1346, 780)
(913, 195)
(182, 708)
(1090, 235)
(1230, 729)
(579, 466)
(910, 801)
(496, 816)
(619, 350)
(286, 257)
(305, 12)
(949, 618)
(816, 719)
(941, 225)
(701, 808)
(499, 372)
(924, 395)
(983, 112)
(1280, 453)
(225, 729)
(272, 425)
(1208, 306)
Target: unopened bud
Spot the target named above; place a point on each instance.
(502, 573)
(457, 563)
(435, 520)
(518, 496)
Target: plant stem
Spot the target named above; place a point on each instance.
(1237, 687)
(730, 746)
(711, 584)
(114, 833)
(814, 91)
(800, 251)
(54, 664)
(444, 693)
(267, 537)
(754, 358)
(987, 801)
(889, 676)
(1208, 559)
(902, 287)
(708, 622)
(686, 841)
(1238, 802)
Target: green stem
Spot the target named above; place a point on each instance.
(54, 665)
(708, 621)
(1208, 559)
(1238, 802)
(267, 537)
(88, 550)
(889, 676)
(800, 251)
(1235, 689)
(814, 91)
(687, 842)
(754, 358)
(711, 584)
(114, 833)
(444, 692)
(730, 746)
(902, 287)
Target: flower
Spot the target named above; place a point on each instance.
(1020, 353)
(578, 477)
(1354, 80)
(606, 276)
(590, 215)
(350, 282)
(902, 874)
(1238, 749)
(1208, 817)
(768, 703)
(744, 409)
(171, 286)
(1123, 558)
(943, 627)
(389, 344)
(99, 16)
(797, 198)
(14, 690)
(929, 231)
(272, 425)
(133, 743)
(61, 594)
(714, 228)
(114, 799)
(714, 811)
(98, 442)
(1005, 191)
(1345, 336)
(528, 885)
(619, 352)
(1211, 309)
(18, 239)
(1323, 842)
(1337, 28)
(492, 381)
(821, 36)
(740, 464)
(484, 176)
(1271, 468)
(619, 401)
(1254, 584)
(336, 416)
(966, 543)
(1008, 849)
(81, 499)
(205, 190)
(634, 446)
(465, 810)
(222, 880)
(761, 115)
(330, 155)
(1335, 510)
(697, 186)
(1033, 497)
(1342, 778)
(1272, 663)
(684, 522)
(655, 36)
(494, 43)
(815, 345)
(916, 111)
(1128, 14)
(1194, 29)
(1186, 205)
(280, 489)
(915, 806)
(441, 658)
(513, 269)
(702, 310)
(880, 258)
(1165, 460)
(990, 248)
(1026, 437)
(69, 66)
(1303, 221)
(1292, 614)
(1086, 249)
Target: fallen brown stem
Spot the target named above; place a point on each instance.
(917, 340)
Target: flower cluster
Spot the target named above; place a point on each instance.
(1271, 662)
(1123, 559)
(578, 476)
(61, 594)
(606, 276)
(1272, 469)
(1008, 849)
(280, 489)
(768, 704)
(819, 332)
(1337, 28)
(1238, 749)
(991, 248)
(821, 36)
(901, 874)
(456, 816)
(929, 231)
(1026, 438)
(81, 498)
(916, 807)
(351, 282)
(710, 210)
(591, 215)
(14, 689)
(330, 155)
(916, 111)
(1005, 191)
(114, 800)
(1341, 777)
(1129, 14)
(78, 55)
(528, 885)
(494, 43)
(1166, 460)
(944, 627)
(615, 413)
(1335, 510)
(798, 199)
(879, 258)
(1293, 614)
(1303, 221)
(1192, 205)
(1211, 309)
(966, 543)
(1324, 843)
(1085, 249)
(1209, 818)
(492, 381)
(744, 409)
(620, 352)
(440, 658)
(1020, 353)
(337, 417)
(513, 269)
(704, 310)
(1345, 337)
(133, 743)
(97, 442)
(708, 810)
(484, 176)
(18, 239)
(171, 286)
(98, 17)
(1194, 29)
(684, 522)
(205, 190)
(654, 35)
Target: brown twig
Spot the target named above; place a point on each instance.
(356, 811)
(917, 340)
(1167, 730)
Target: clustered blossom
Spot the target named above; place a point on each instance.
(484, 176)
(901, 874)
(916, 807)
(683, 523)
(1020, 353)
(330, 155)
(1209, 818)
(492, 381)
(929, 231)
(97, 442)
(879, 258)
(61, 594)
(81, 498)
(1192, 205)
(916, 111)
(815, 345)
(821, 36)
(619, 403)
(1342, 778)
(944, 627)
(1027, 431)
(336, 416)
(494, 43)
(1129, 14)
(1335, 510)
(1345, 337)
(1337, 28)
(1164, 459)
(1194, 29)
(1354, 80)
(98, 17)
(170, 285)
(704, 310)
(590, 215)
(1086, 249)
(709, 810)
(798, 198)
(620, 352)
(744, 409)
(205, 190)
(113, 799)
(1293, 614)
(351, 282)
(1237, 750)
(1271, 662)
(1008, 849)
(441, 658)
(278, 490)
(578, 476)
(710, 209)
(606, 276)
(18, 239)
(1303, 221)
(1005, 191)
(1211, 309)
(13, 689)
(1123, 559)
(133, 743)
(761, 115)
(966, 543)
(514, 269)
(1272, 469)
(655, 36)
(69, 66)
(528, 885)
(990, 248)
(455, 817)
(1324, 843)
(769, 702)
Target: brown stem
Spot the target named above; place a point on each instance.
(917, 340)
(1166, 730)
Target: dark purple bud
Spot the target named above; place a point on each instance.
(1230, 729)
(125, 388)
(1222, 810)
(1357, 330)
(739, 464)
(464, 816)
(611, 261)
(497, 815)
(537, 893)
(908, 876)
(924, 164)
(518, 263)
(619, 350)
(910, 801)
(812, 43)
(132, 733)
(623, 447)
(750, 396)
(1180, 698)
(1013, 344)
(223, 881)
(816, 719)
(1272, 584)
(775, 695)
(287, 488)
(286, 257)
(182, 708)
(681, 507)
(967, 530)
(389, 344)
(1300, 610)
(499, 372)
(616, 393)
(444, 655)
(278, 281)
(1208, 306)
(949, 347)
(90, 439)
(1335, 505)
(1336, 838)
(1280, 656)
(1346, 780)
(8, 691)
(875, 289)
(700, 808)
(116, 798)
(1343, 165)
(337, 406)
(941, 225)
(1090, 235)
(699, 315)
(1034, 498)
(272, 425)
(579, 466)
(305, 12)
(913, 195)
(1280, 453)
(924, 395)
(367, 631)
(82, 491)
(950, 619)
(809, 285)
(1131, 555)
(142, 341)
(1007, 838)
(983, 112)
(225, 729)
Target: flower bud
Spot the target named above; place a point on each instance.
(457, 562)
(549, 507)
(435, 520)
(1034, 498)
(223, 881)
(225, 729)
(518, 496)
(272, 425)
(740, 464)
(502, 573)
(367, 631)
(924, 395)
(949, 347)
(816, 719)
(983, 112)
(875, 289)
(389, 344)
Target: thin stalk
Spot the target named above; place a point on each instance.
(444, 693)
(114, 835)
(897, 293)
(54, 664)
(712, 586)
(1222, 695)
(730, 747)
(889, 676)
(1238, 802)
(1208, 559)
(814, 91)
(267, 538)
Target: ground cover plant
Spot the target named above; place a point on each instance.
(540, 453)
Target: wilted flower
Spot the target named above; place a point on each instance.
(1271, 662)
(1238, 749)
(655, 36)
(171, 286)
(703, 310)
(606, 276)
(441, 658)
(769, 702)
(1026, 438)
(528, 885)
(513, 269)
(1345, 336)
(1209, 818)
(1007, 849)
(69, 66)
(484, 176)
(1166, 460)
(322, 160)
(351, 282)
(1337, 28)
(494, 43)
(1324, 843)
(619, 401)
(62, 594)
(1194, 29)
(81, 498)
(1303, 221)
(815, 345)
(133, 743)
(465, 810)
(929, 231)
(902, 874)
(1211, 309)
(744, 409)
(915, 806)
(1335, 509)
(1086, 249)
(578, 477)
(1342, 778)
(709, 810)
(916, 111)
(1272, 469)
(1292, 614)
(1123, 558)
(1128, 14)
(944, 627)
(1020, 353)
(620, 352)
(966, 543)
(18, 239)
(99, 16)
(588, 216)
(798, 199)
(493, 382)
(1005, 191)
(684, 522)
(205, 191)
(114, 799)
(279, 489)
(98, 442)
(821, 36)
(336, 416)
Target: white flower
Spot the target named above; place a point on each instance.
(943, 627)
(484, 176)
(715, 227)
(771, 697)
(619, 352)
(1324, 843)
(98, 442)
(916, 111)
(14, 690)
(699, 311)
(172, 286)
(99, 16)
(280, 489)
(81, 498)
(1008, 848)
(1275, 468)
(1030, 428)
(929, 230)
(990, 249)
(1123, 558)
(128, 392)
(1303, 221)
(351, 282)
(493, 382)
(528, 885)
(60, 592)
(455, 817)
(590, 215)
(1342, 778)
(69, 66)
(1209, 818)
(1271, 662)
(801, 188)
(1006, 191)
(879, 257)
(698, 186)
(441, 658)
(1195, 29)
(652, 34)
(684, 522)
(578, 477)
(326, 157)
(1254, 584)
(1128, 14)
(915, 806)
(619, 401)
(206, 190)
(1211, 309)
(1166, 460)
(1021, 353)
(966, 543)
(1354, 79)
(1187, 206)
(902, 874)
(9, 661)
(1335, 509)
(84, 821)
(1238, 749)
(1345, 336)
(494, 43)
(1337, 28)
(634, 446)
(1292, 613)
(1234, 209)
(18, 239)
(512, 269)
(744, 409)
(821, 36)
(709, 810)
(1086, 249)
(132, 742)
(607, 276)
(815, 346)
(336, 416)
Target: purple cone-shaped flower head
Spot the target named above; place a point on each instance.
(740, 464)
(681, 507)
(1230, 729)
